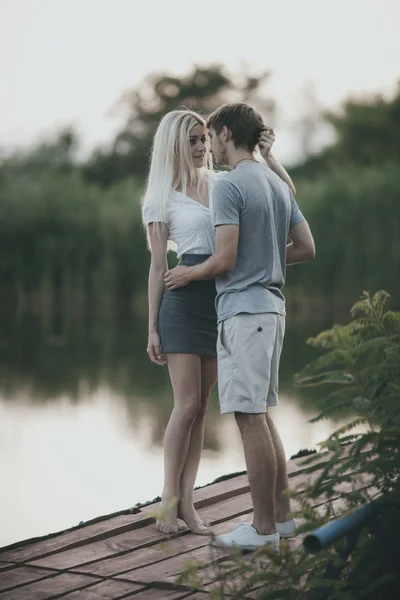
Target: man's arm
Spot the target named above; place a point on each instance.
(223, 261)
(301, 247)
(227, 202)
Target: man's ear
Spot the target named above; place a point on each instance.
(226, 134)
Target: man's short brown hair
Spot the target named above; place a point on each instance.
(242, 120)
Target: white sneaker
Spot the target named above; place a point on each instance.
(245, 537)
(287, 529)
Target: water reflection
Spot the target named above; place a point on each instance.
(83, 414)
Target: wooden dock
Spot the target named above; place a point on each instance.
(124, 556)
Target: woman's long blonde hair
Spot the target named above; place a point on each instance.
(171, 165)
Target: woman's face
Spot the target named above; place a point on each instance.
(197, 144)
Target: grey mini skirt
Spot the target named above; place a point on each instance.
(187, 320)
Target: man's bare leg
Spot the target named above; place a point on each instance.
(261, 469)
(282, 503)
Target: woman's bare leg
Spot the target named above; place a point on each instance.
(185, 374)
(186, 510)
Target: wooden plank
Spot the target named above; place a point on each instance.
(200, 595)
(184, 545)
(6, 565)
(155, 593)
(153, 554)
(169, 568)
(47, 588)
(211, 582)
(212, 577)
(141, 538)
(21, 575)
(90, 533)
(217, 492)
(208, 563)
(223, 490)
(120, 524)
(209, 576)
(104, 591)
(148, 540)
(113, 565)
(127, 562)
(104, 549)
(116, 526)
(118, 554)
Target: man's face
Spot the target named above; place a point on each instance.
(217, 147)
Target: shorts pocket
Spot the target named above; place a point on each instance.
(222, 338)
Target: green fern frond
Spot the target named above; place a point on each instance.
(373, 344)
(392, 318)
(337, 435)
(327, 377)
(363, 305)
(333, 409)
(379, 300)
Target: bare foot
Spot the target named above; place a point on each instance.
(167, 521)
(192, 520)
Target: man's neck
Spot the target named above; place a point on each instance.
(239, 155)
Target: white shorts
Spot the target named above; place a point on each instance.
(249, 348)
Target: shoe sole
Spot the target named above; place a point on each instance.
(247, 548)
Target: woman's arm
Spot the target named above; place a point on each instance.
(280, 170)
(158, 237)
(265, 143)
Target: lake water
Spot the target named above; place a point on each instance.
(83, 414)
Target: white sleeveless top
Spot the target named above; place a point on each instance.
(190, 224)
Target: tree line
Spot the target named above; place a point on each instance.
(71, 236)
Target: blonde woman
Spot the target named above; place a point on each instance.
(183, 323)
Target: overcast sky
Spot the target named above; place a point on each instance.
(68, 61)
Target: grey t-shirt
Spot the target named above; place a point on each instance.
(255, 198)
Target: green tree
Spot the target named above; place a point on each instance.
(203, 89)
(367, 134)
(65, 242)
(355, 218)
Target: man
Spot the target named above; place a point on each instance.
(254, 213)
